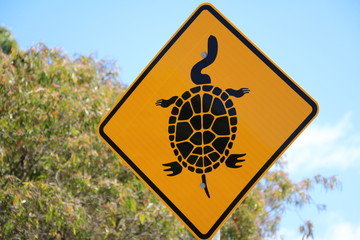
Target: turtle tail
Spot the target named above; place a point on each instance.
(204, 185)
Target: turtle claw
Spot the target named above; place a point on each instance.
(174, 167)
(160, 102)
(233, 159)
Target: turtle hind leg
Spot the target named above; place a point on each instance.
(204, 185)
(233, 159)
(174, 167)
(165, 103)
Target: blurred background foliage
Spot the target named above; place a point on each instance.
(7, 40)
(59, 181)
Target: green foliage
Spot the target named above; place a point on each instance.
(259, 216)
(59, 181)
(7, 41)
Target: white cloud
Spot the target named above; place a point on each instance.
(343, 231)
(339, 231)
(289, 234)
(325, 146)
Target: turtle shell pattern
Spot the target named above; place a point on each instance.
(202, 128)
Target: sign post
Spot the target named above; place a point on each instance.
(206, 119)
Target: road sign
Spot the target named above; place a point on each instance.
(206, 119)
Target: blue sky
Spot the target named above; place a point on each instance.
(315, 42)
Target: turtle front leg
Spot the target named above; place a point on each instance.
(165, 103)
(174, 167)
(233, 159)
(237, 93)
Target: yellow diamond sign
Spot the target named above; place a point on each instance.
(206, 119)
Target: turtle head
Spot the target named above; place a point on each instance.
(196, 76)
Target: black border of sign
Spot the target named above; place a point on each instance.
(243, 39)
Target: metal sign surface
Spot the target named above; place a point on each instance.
(206, 119)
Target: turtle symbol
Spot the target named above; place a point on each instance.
(202, 124)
